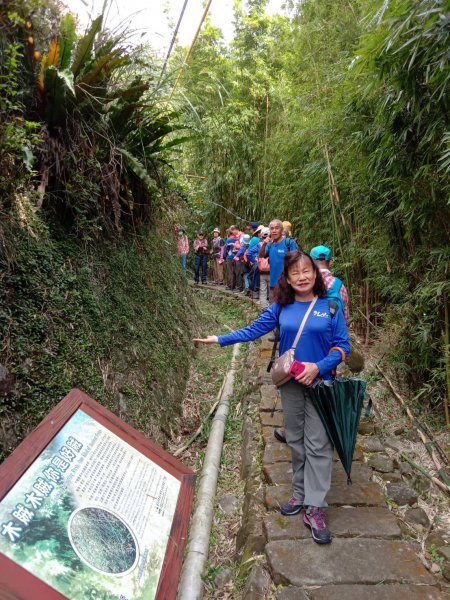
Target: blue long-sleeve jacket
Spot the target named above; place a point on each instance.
(229, 243)
(241, 251)
(252, 253)
(321, 332)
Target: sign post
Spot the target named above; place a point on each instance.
(89, 508)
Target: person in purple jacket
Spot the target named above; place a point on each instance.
(300, 284)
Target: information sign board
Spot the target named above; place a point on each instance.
(91, 509)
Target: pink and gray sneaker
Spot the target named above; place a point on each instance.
(314, 519)
(292, 507)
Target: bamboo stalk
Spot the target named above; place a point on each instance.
(266, 133)
(189, 52)
(202, 424)
(416, 424)
(335, 201)
(366, 340)
(447, 360)
(367, 319)
(423, 471)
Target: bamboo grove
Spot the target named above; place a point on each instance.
(336, 118)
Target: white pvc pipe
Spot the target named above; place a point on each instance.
(191, 585)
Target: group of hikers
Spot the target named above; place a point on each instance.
(307, 309)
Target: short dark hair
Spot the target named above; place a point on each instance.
(284, 293)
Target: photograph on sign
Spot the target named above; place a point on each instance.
(91, 516)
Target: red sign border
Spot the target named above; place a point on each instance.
(15, 581)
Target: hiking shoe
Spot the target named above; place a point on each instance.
(293, 507)
(314, 519)
(280, 435)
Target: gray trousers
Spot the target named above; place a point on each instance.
(312, 451)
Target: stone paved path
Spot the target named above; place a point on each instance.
(367, 559)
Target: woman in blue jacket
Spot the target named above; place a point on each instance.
(298, 286)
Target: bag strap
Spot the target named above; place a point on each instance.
(272, 358)
(275, 345)
(302, 324)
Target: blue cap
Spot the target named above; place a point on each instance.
(321, 253)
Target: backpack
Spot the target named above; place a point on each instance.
(334, 295)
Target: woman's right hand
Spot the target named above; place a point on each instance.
(211, 339)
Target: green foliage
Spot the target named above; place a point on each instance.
(18, 136)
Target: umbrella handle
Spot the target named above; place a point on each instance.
(341, 352)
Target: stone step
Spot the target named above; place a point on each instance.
(267, 434)
(358, 494)
(280, 473)
(394, 591)
(268, 421)
(345, 561)
(264, 376)
(363, 521)
(291, 593)
(387, 591)
(267, 405)
(275, 452)
(268, 400)
(266, 346)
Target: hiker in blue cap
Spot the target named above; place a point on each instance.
(336, 290)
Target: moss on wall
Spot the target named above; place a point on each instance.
(113, 319)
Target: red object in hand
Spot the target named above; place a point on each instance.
(296, 368)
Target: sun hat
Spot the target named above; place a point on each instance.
(216, 229)
(321, 253)
(246, 239)
(259, 228)
(287, 225)
(265, 231)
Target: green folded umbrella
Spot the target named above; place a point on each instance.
(339, 403)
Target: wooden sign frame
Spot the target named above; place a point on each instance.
(18, 583)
